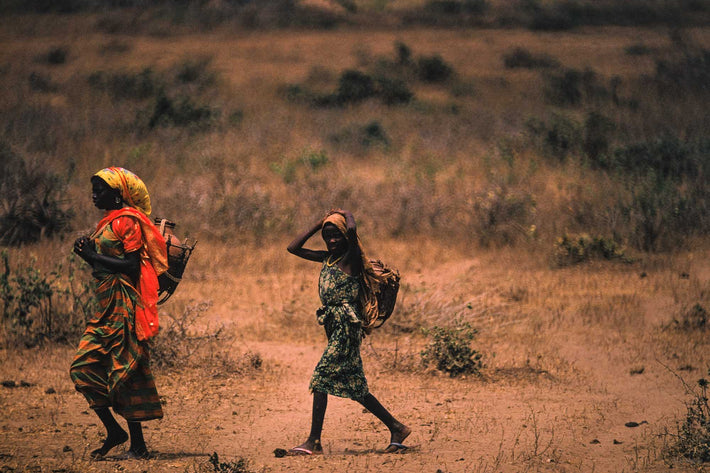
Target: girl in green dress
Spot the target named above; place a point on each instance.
(345, 288)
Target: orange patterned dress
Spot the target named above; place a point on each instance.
(111, 366)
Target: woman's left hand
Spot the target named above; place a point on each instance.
(84, 248)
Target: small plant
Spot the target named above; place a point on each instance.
(693, 438)
(238, 466)
(450, 350)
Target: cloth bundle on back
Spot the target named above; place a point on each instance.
(380, 283)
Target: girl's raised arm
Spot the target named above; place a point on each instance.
(296, 246)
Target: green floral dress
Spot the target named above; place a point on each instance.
(339, 371)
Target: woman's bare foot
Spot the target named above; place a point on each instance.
(112, 439)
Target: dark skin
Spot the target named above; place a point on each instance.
(346, 252)
(107, 198)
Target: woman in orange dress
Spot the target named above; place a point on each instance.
(111, 366)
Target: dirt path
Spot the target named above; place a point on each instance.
(459, 425)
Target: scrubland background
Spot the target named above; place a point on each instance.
(537, 171)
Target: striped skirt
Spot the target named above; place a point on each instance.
(111, 366)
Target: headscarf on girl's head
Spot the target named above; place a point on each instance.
(370, 280)
(132, 188)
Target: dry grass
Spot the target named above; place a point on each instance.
(460, 200)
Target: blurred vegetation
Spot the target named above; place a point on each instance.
(692, 440)
(407, 139)
(533, 14)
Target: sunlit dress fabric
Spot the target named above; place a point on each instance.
(111, 367)
(339, 371)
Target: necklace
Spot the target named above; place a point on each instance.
(330, 264)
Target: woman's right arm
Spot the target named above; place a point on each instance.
(296, 246)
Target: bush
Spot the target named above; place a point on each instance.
(433, 69)
(597, 129)
(133, 86)
(693, 438)
(41, 82)
(56, 56)
(393, 91)
(695, 318)
(354, 86)
(571, 250)
(559, 139)
(180, 112)
(502, 216)
(666, 157)
(691, 72)
(522, 58)
(31, 201)
(456, 7)
(450, 350)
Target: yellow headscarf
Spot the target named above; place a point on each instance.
(132, 188)
(371, 282)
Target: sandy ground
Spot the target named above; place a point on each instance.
(565, 410)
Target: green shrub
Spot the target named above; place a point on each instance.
(31, 205)
(571, 250)
(450, 350)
